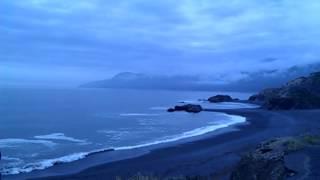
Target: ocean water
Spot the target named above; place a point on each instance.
(42, 127)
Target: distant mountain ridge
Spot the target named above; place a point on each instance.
(250, 81)
(129, 80)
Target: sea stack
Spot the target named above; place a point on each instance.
(191, 108)
(220, 98)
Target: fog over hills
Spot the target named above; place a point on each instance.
(249, 81)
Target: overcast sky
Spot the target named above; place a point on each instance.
(75, 41)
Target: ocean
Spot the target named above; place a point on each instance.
(43, 127)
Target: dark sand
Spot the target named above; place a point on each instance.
(213, 155)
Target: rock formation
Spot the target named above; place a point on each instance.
(221, 98)
(267, 162)
(300, 93)
(188, 108)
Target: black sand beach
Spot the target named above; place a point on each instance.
(212, 156)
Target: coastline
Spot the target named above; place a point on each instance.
(213, 154)
(122, 152)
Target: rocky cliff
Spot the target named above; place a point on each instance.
(300, 93)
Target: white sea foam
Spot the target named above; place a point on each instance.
(60, 136)
(189, 134)
(115, 135)
(190, 102)
(42, 164)
(10, 163)
(12, 142)
(138, 114)
(229, 105)
(77, 156)
(6, 158)
(112, 132)
(159, 108)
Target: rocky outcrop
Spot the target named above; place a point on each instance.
(265, 163)
(265, 94)
(221, 98)
(187, 108)
(280, 103)
(300, 93)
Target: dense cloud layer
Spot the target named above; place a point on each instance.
(75, 41)
(250, 81)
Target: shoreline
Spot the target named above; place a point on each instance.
(131, 151)
(187, 136)
(221, 150)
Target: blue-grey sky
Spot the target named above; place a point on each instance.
(76, 41)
